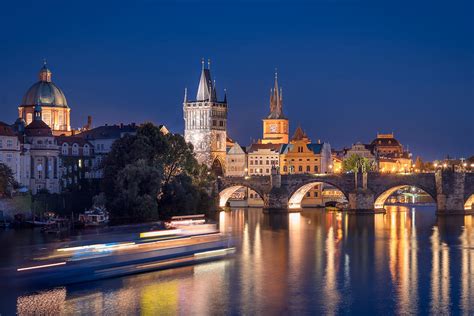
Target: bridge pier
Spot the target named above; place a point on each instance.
(361, 201)
(450, 188)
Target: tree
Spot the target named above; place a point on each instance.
(419, 165)
(151, 173)
(137, 185)
(7, 180)
(356, 163)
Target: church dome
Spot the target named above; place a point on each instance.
(44, 92)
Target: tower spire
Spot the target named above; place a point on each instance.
(205, 85)
(185, 95)
(276, 99)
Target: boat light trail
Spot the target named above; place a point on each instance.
(160, 233)
(42, 266)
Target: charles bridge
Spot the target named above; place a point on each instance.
(453, 192)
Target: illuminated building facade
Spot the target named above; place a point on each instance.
(10, 150)
(236, 161)
(392, 157)
(361, 150)
(262, 157)
(302, 156)
(276, 125)
(206, 123)
(40, 155)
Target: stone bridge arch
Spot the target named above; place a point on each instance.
(229, 185)
(469, 192)
(384, 185)
(298, 185)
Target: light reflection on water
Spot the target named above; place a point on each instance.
(406, 261)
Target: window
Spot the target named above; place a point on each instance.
(300, 168)
(65, 149)
(9, 143)
(308, 194)
(285, 168)
(1, 143)
(308, 169)
(221, 123)
(214, 123)
(9, 157)
(267, 170)
(315, 169)
(75, 149)
(86, 150)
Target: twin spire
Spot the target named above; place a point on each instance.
(207, 87)
(276, 100)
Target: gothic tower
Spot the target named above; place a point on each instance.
(276, 125)
(205, 123)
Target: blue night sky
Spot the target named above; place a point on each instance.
(348, 68)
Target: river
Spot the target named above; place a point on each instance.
(403, 262)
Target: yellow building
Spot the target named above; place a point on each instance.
(276, 125)
(301, 156)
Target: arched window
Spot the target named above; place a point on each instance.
(75, 149)
(86, 150)
(65, 149)
(285, 168)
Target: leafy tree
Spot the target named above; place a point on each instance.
(151, 173)
(356, 163)
(7, 180)
(419, 165)
(138, 185)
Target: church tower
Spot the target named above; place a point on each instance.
(205, 123)
(276, 125)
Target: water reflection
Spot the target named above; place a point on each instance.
(406, 261)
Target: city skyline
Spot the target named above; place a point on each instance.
(408, 86)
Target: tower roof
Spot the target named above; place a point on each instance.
(276, 101)
(299, 134)
(206, 90)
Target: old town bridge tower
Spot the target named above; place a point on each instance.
(205, 123)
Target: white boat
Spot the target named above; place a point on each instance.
(94, 217)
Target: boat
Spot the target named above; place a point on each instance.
(74, 263)
(94, 217)
(57, 226)
(185, 220)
